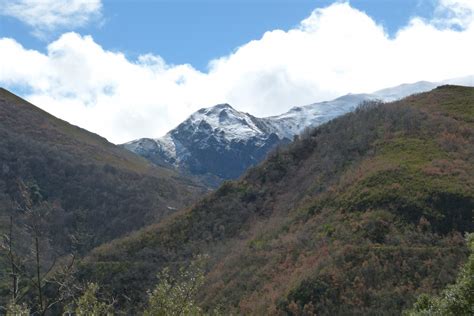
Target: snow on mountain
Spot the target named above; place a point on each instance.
(293, 122)
(463, 81)
(221, 143)
(225, 122)
(297, 119)
(404, 90)
(218, 142)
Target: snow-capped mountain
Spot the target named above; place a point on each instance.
(218, 142)
(404, 90)
(221, 143)
(293, 122)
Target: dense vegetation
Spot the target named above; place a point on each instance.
(359, 216)
(83, 189)
(456, 299)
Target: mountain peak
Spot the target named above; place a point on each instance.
(223, 106)
(216, 109)
(224, 120)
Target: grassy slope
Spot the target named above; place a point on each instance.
(21, 117)
(359, 216)
(97, 191)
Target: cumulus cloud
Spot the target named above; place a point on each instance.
(48, 15)
(334, 51)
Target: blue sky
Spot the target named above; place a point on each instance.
(195, 32)
(131, 69)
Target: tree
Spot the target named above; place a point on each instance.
(8, 246)
(89, 305)
(14, 309)
(30, 257)
(457, 299)
(176, 295)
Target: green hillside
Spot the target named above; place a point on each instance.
(86, 190)
(359, 216)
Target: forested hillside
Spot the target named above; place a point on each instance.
(359, 216)
(81, 189)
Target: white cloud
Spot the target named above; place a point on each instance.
(336, 50)
(457, 13)
(48, 15)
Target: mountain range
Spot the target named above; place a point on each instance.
(357, 216)
(220, 142)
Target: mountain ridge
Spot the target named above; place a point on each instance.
(86, 189)
(221, 133)
(358, 216)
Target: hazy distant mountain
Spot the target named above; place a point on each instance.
(219, 142)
